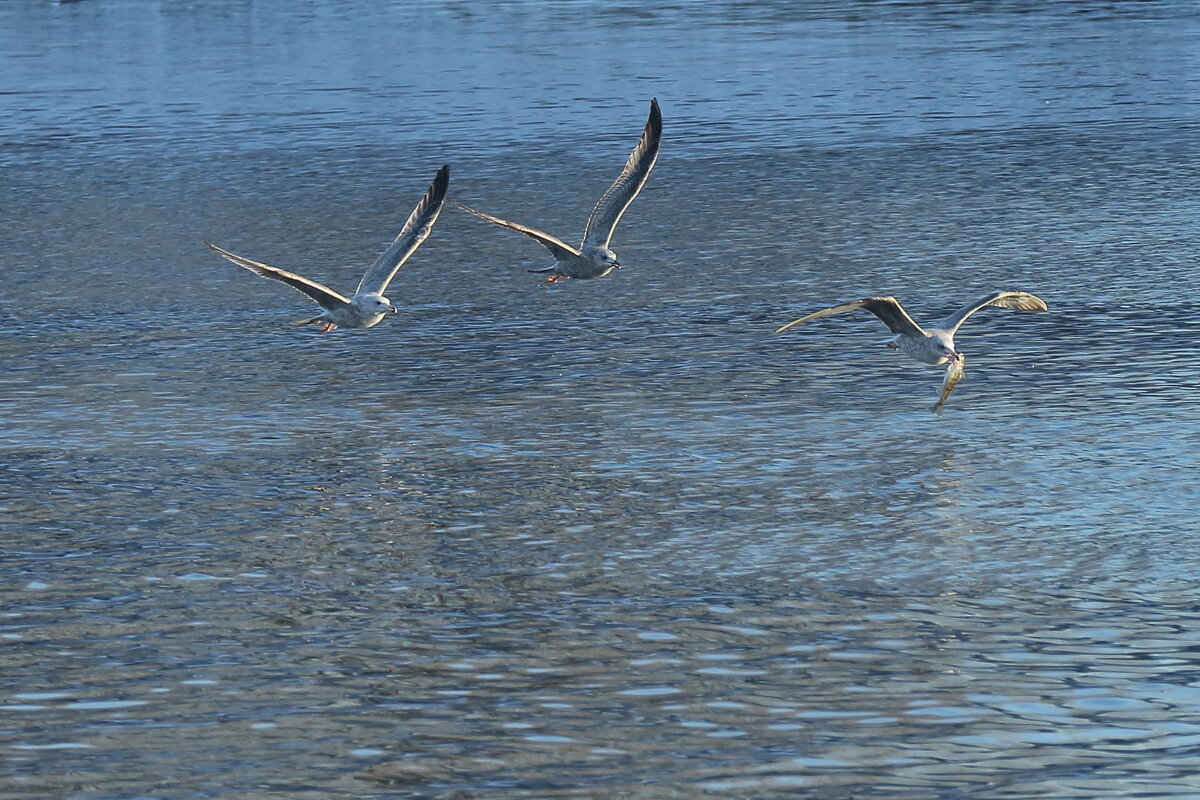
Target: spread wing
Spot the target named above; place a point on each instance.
(887, 309)
(612, 205)
(561, 250)
(1022, 301)
(327, 298)
(415, 230)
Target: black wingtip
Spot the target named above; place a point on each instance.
(440, 184)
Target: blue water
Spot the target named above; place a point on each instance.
(605, 538)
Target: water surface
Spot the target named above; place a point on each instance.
(608, 538)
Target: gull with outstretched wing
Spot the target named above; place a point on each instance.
(367, 306)
(927, 345)
(593, 258)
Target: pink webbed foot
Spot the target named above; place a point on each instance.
(327, 327)
(556, 278)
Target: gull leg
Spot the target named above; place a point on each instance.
(556, 277)
(327, 327)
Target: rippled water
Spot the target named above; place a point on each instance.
(609, 538)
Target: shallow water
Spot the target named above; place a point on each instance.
(608, 538)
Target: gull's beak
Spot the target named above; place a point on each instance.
(955, 357)
(616, 265)
(393, 309)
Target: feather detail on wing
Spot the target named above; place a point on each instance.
(415, 230)
(612, 205)
(561, 250)
(887, 309)
(327, 298)
(1022, 301)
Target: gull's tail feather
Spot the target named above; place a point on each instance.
(543, 271)
(309, 321)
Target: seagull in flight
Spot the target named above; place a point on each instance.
(368, 305)
(928, 345)
(593, 258)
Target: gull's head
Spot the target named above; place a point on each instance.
(602, 257)
(943, 346)
(374, 303)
